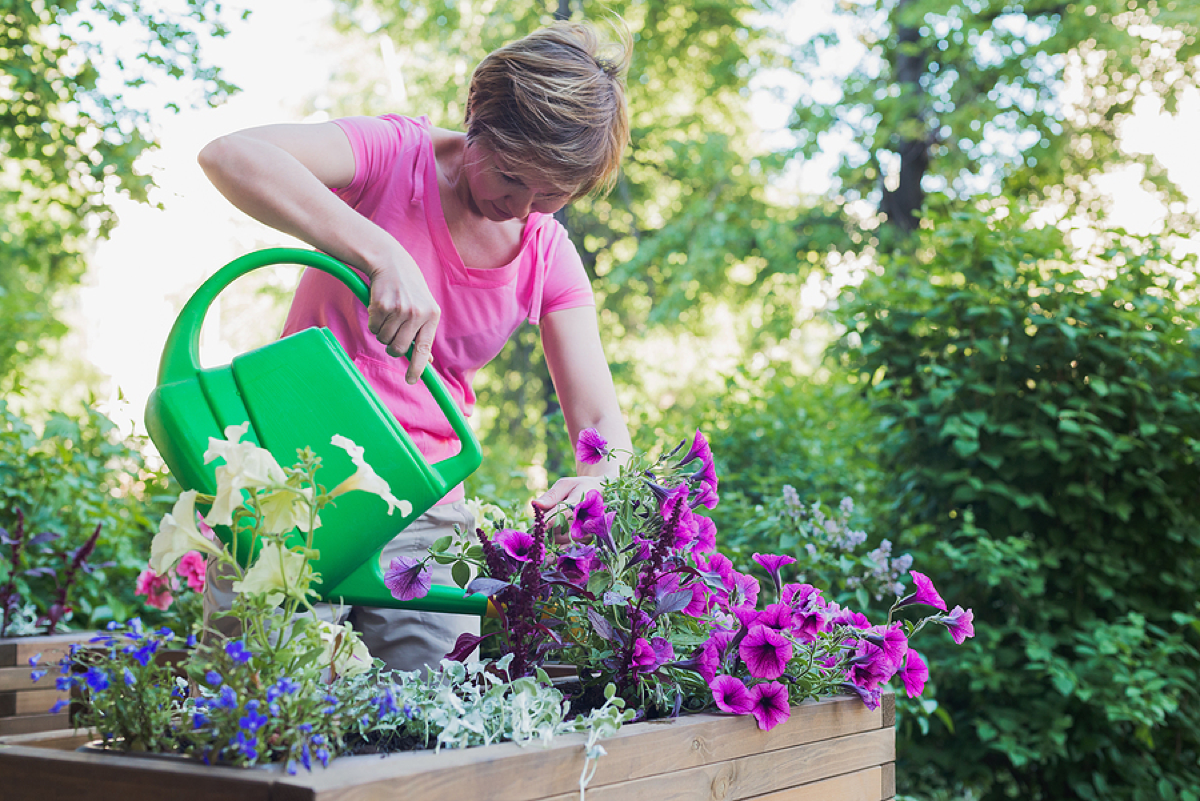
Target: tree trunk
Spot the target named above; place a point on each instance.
(903, 204)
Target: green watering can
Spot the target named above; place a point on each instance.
(298, 392)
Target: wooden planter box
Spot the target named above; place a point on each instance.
(24, 704)
(831, 750)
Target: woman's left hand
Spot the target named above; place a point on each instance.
(563, 496)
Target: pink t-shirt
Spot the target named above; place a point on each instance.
(395, 185)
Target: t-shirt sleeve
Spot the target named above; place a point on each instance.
(376, 143)
(566, 284)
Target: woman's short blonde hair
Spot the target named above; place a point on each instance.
(553, 106)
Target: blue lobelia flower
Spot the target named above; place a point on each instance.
(228, 698)
(252, 721)
(130, 679)
(59, 706)
(213, 678)
(36, 675)
(238, 652)
(97, 679)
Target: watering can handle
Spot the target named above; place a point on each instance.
(181, 355)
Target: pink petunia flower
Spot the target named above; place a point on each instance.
(846, 617)
(730, 695)
(914, 673)
(960, 623)
(777, 617)
(591, 447)
(766, 652)
(650, 655)
(771, 705)
(156, 588)
(870, 667)
(407, 578)
(191, 568)
(925, 593)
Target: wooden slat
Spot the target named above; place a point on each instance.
(36, 774)
(65, 739)
(16, 651)
(888, 789)
(755, 775)
(511, 773)
(30, 702)
(862, 785)
(19, 678)
(28, 724)
(887, 708)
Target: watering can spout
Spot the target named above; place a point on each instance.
(299, 392)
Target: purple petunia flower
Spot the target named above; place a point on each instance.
(238, 652)
(706, 535)
(770, 704)
(925, 594)
(708, 661)
(766, 652)
(777, 617)
(407, 578)
(960, 623)
(519, 545)
(870, 666)
(730, 695)
(699, 450)
(914, 673)
(591, 447)
(601, 529)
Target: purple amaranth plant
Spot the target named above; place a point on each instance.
(73, 564)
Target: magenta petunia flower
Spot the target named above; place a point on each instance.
(708, 661)
(589, 509)
(870, 666)
(961, 624)
(743, 590)
(925, 594)
(518, 545)
(846, 617)
(766, 652)
(650, 655)
(591, 447)
(890, 640)
(870, 698)
(773, 563)
(730, 695)
(600, 529)
(776, 616)
(699, 450)
(191, 569)
(407, 578)
(578, 563)
(914, 673)
(771, 705)
(746, 616)
(706, 535)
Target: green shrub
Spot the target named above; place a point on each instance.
(75, 475)
(1041, 459)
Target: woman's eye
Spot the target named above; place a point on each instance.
(512, 179)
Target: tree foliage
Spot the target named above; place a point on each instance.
(1042, 420)
(72, 126)
(960, 99)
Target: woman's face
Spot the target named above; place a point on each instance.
(500, 192)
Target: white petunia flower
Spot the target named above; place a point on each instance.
(277, 573)
(366, 479)
(178, 534)
(287, 509)
(352, 655)
(247, 466)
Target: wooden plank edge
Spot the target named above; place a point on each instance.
(752, 776)
(639, 750)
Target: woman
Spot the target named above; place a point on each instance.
(455, 234)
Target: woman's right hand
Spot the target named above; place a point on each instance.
(403, 313)
(281, 176)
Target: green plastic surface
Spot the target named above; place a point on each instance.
(299, 392)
